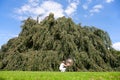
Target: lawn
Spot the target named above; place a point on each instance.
(36, 75)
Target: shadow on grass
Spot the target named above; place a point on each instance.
(2, 78)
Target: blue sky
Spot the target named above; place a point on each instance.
(103, 14)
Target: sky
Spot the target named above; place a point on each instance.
(103, 14)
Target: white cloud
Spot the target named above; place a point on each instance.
(23, 9)
(96, 9)
(86, 5)
(70, 1)
(116, 46)
(33, 8)
(54, 7)
(109, 1)
(33, 2)
(99, 6)
(72, 7)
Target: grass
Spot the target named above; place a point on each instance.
(34, 75)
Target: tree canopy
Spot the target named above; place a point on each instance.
(41, 46)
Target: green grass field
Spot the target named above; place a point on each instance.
(31, 75)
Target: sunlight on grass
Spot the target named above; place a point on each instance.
(34, 75)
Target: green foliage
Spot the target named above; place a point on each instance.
(41, 46)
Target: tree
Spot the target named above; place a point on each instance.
(41, 46)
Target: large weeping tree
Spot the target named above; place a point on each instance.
(41, 46)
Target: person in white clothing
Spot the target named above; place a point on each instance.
(62, 67)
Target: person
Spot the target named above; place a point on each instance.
(62, 66)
